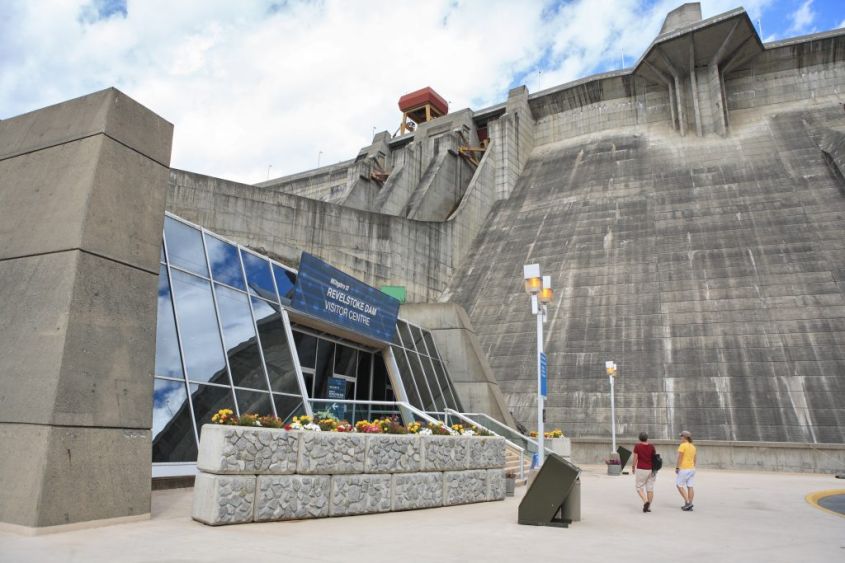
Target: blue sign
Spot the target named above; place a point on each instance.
(543, 372)
(337, 390)
(329, 294)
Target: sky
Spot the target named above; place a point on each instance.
(258, 89)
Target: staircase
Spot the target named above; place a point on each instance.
(512, 461)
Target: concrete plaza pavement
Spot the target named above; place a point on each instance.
(738, 516)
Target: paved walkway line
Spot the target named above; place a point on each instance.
(813, 499)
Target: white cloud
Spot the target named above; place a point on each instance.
(247, 86)
(802, 19)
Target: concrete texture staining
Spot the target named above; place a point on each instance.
(82, 192)
(689, 210)
(709, 269)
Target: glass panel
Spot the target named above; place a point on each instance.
(451, 396)
(258, 276)
(254, 402)
(161, 256)
(239, 339)
(396, 333)
(207, 400)
(439, 387)
(285, 281)
(288, 407)
(422, 384)
(168, 360)
(407, 377)
(344, 360)
(198, 328)
(382, 390)
(429, 344)
(362, 391)
(224, 261)
(325, 364)
(274, 343)
(306, 348)
(173, 430)
(405, 334)
(184, 246)
(418, 343)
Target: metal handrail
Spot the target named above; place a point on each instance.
(503, 425)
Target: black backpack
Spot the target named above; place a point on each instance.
(656, 462)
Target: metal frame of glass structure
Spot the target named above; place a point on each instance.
(224, 339)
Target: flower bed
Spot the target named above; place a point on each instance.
(255, 473)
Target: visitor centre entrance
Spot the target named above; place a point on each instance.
(241, 331)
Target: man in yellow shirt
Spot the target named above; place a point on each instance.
(685, 470)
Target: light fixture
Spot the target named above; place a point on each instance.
(546, 293)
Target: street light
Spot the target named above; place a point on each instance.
(540, 290)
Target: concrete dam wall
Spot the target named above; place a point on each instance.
(709, 269)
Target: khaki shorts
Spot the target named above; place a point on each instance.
(645, 478)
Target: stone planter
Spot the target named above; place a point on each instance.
(560, 446)
(331, 453)
(390, 453)
(486, 452)
(445, 453)
(242, 450)
(261, 474)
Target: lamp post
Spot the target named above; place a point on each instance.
(540, 290)
(611, 374)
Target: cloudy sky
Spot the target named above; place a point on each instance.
(267, 88)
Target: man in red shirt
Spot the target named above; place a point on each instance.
(641, 469)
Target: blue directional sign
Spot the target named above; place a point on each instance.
(334, 296)
(543, 372)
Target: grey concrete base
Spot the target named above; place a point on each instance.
(360, 494)
(496, 488)
(393, 454)
(743, 456)
(445, 453)
(223, 499)
(331, 453)
(463, 487)
(240, 450)
(53, 476)
(417, 490)
(292, 497)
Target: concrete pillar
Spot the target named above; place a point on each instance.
(82, 193)
(513, 138)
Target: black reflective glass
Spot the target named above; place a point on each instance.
(382, 388)
(224, 261)
(184, 246)
(407, 378)
(285, 281)
(274, 343)
(173, 430)
(362, 390)
(288, 407)
(258, 276)
(207, 400)
(306, 348)
(239, 339)
(421, 381)
(345, 360)
(201, 344)
(254, 402)
(325, 364)
(168, 360)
